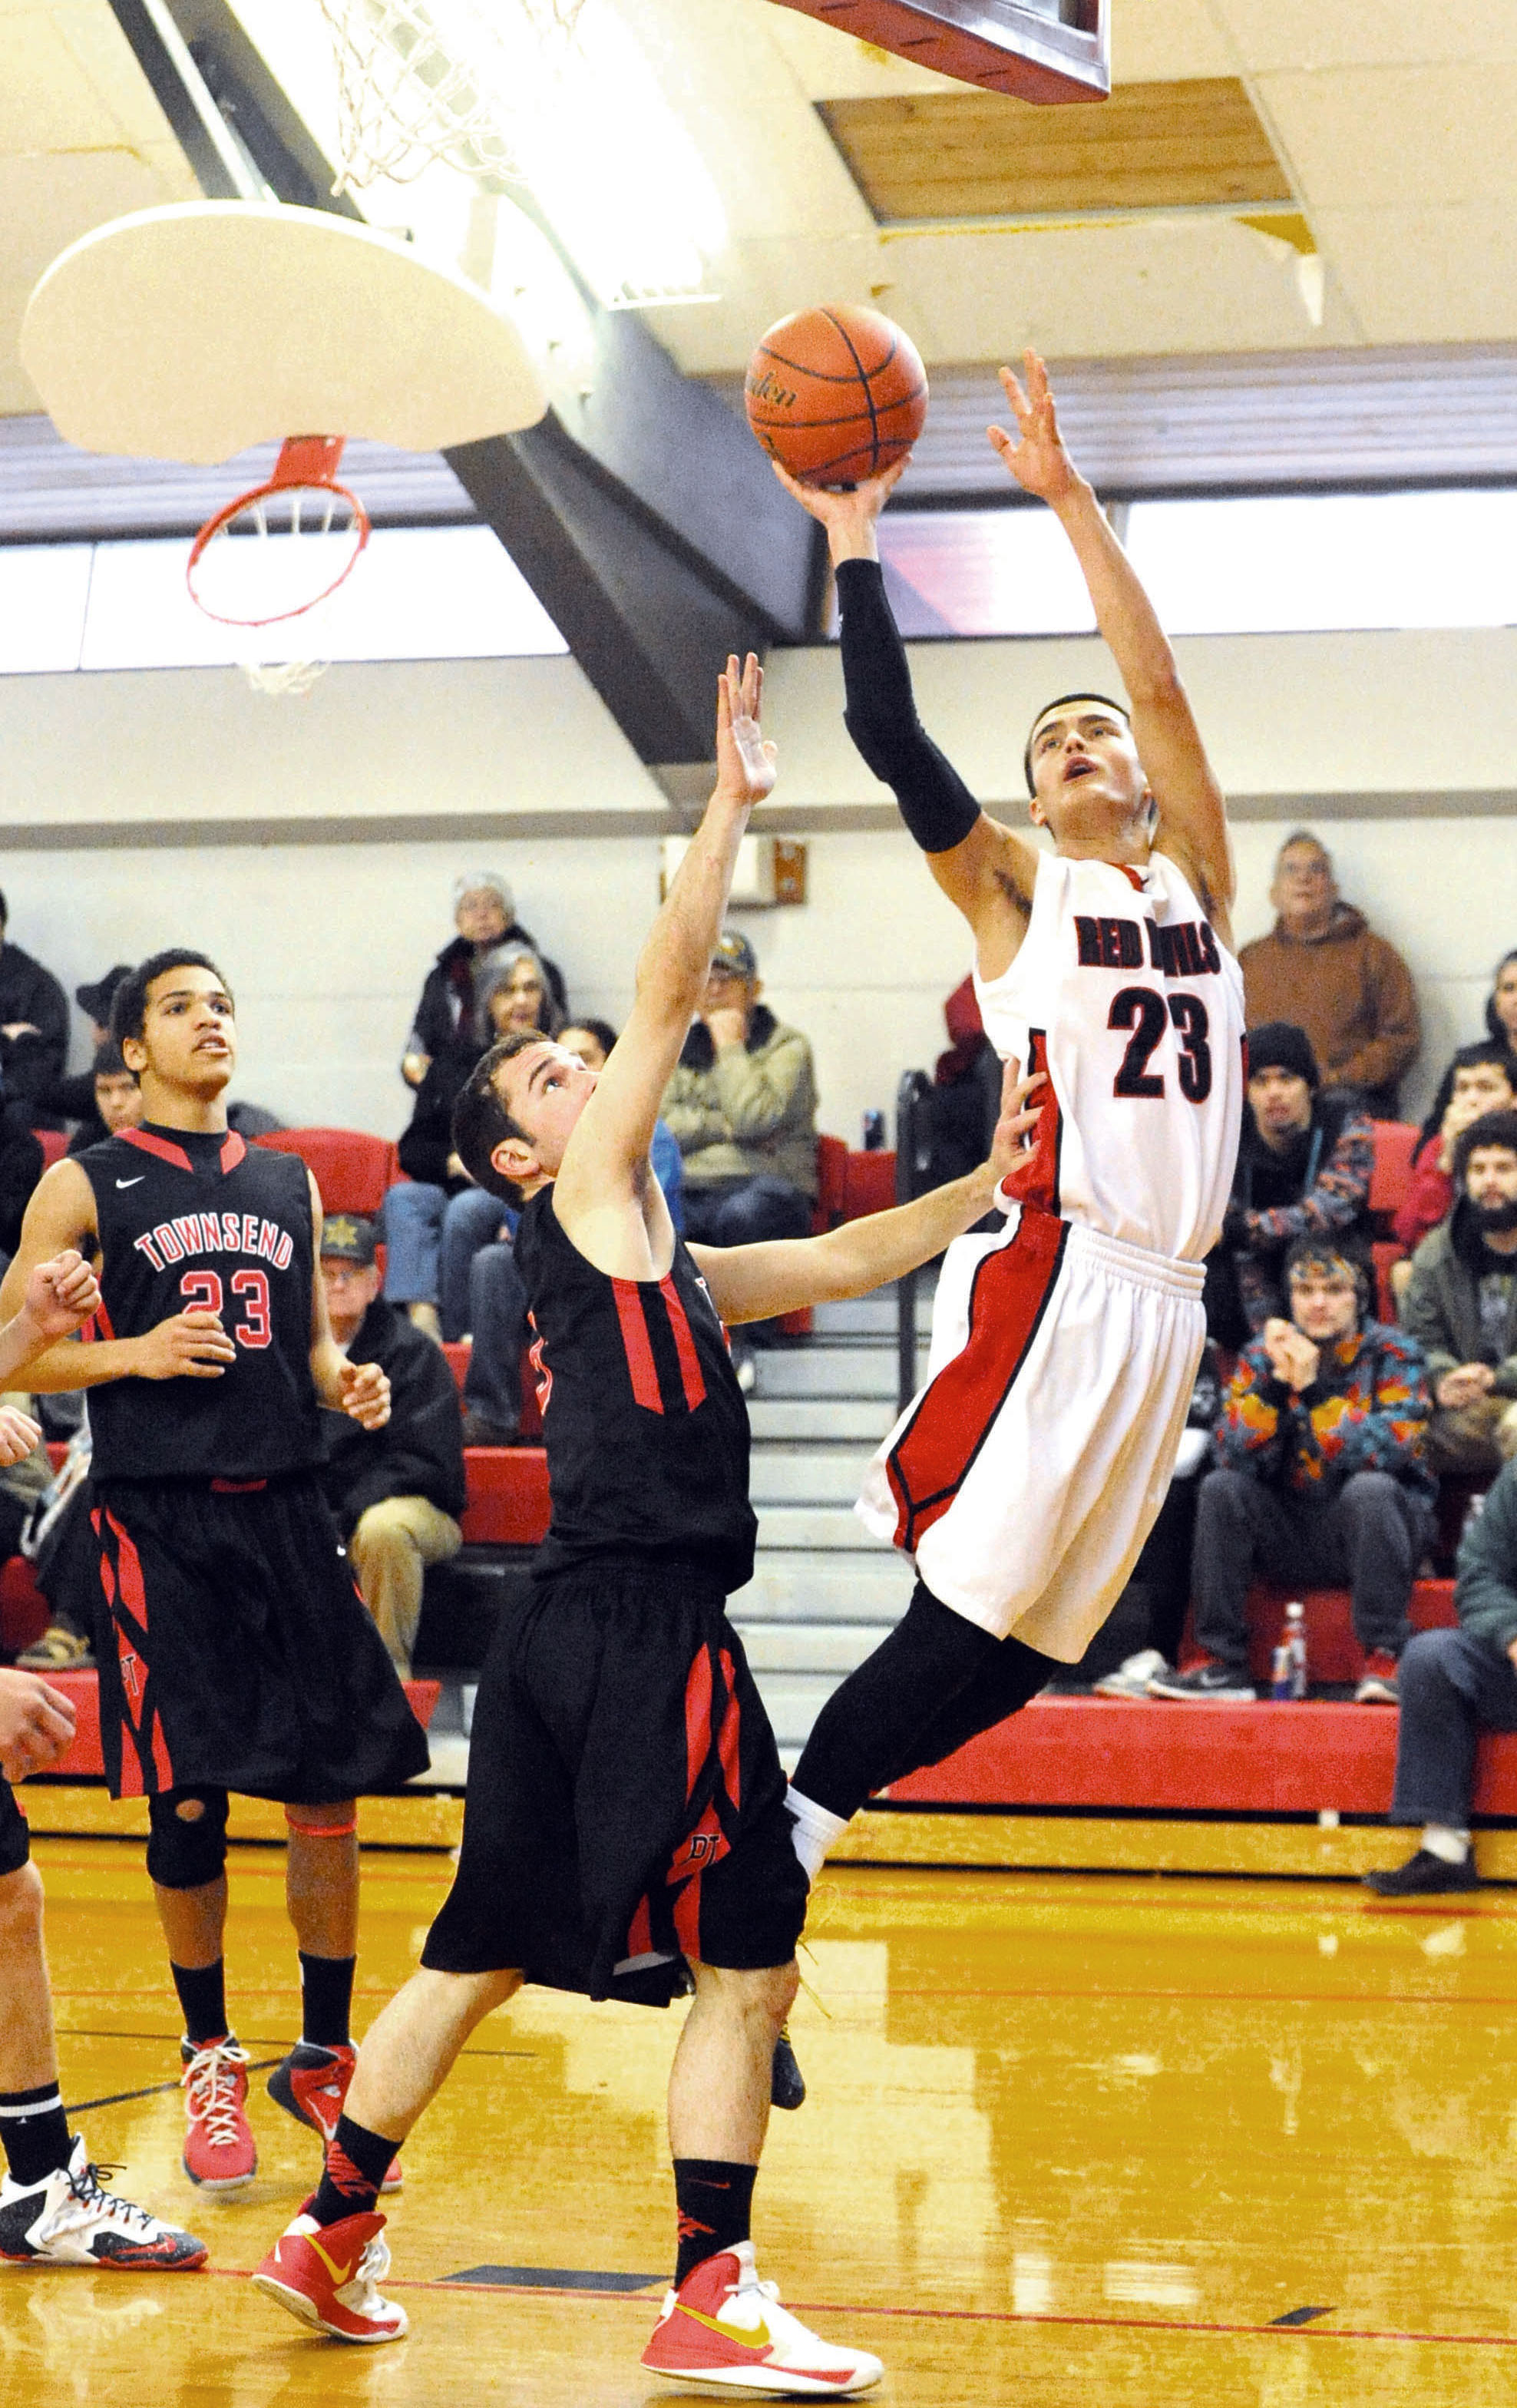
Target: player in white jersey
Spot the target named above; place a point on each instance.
(1027, 1473)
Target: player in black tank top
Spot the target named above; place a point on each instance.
(649, 1458)
(236, 1653)
(625, 1819)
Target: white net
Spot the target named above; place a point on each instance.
(425, 79)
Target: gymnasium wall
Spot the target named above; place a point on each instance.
(313, 844)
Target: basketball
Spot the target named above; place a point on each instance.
(837, 394)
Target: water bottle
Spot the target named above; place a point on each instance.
(1289, 1670)
(874, 1132)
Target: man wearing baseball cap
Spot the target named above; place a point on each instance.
(396, 1491)
(741, 1106)
(1304, 1163)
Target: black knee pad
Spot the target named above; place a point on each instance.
(186, 1855)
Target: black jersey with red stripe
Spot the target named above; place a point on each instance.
(643, 1419)
(187, 1221)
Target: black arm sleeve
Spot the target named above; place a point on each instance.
(880, 715)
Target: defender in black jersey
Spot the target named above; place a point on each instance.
(625, 1829)
(235, 1651)
(53, 2209)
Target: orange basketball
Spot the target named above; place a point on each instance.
(836, 396)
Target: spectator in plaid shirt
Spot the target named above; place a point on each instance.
(1304, 1165)
(1320, 1477)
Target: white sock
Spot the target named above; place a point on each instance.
(1441, 1840)
(816, 1829)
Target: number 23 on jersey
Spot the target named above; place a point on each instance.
(202, 1293)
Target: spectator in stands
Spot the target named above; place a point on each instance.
(72, 1098)
(1304, 1160)
(1460, 1303)
(1321, 1477)
(115, 1099)
(1480, 1078)
(497, 1310)
(33, 1022)
(20, 1168)
(484, 914)
(1324, 968)
(20, 1485)
(743, 1108)
(396, 1491)
(436, 1223)
(1456, 1683)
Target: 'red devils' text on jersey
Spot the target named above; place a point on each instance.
(200, 1222)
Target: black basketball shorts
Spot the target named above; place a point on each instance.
(15, 1840)
(235, 1650)
(625, 1810)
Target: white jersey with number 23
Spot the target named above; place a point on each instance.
(1122, 993)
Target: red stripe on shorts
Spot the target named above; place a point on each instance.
(689, 1369)
(634, 1339)
(698, 1718)
(931, 1459)
(729, 1744)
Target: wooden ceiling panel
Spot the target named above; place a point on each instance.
(1152, 146)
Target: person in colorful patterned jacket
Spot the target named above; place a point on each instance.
(1320, 1477)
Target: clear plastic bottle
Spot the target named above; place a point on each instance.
(1289, 1670)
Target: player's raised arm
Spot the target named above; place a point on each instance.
(754, 1283)
(981, 867)
(609, 1144)
(1193, 820)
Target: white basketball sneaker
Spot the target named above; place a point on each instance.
(724, 2326)
(71, 2220)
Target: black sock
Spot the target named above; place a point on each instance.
(326, 1998)
(715, 2200)
(34, 2132)
(202, 1990)
(357, 2162)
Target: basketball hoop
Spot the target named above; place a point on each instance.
(277, 551)
(425, 79)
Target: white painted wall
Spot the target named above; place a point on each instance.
(107, 780)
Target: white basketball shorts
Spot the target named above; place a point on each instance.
(1027, 1474)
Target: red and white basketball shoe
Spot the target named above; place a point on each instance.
(724, 2326)
(311, 2084)
(327, 2275)
(220, 2152)
(70, 2219)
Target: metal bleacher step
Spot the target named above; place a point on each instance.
(816, 1528)
(793, 1701)
(872, 1586)
(869, 1316)
(822, 1371)
(833, 1648)
(866, 1418)
(807, 1475)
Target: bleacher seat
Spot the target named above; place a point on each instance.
(352, 1168)
(55, 1144)
(507, 1495)
(1396, 1142)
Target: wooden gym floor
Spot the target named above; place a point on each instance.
(1070, 2139)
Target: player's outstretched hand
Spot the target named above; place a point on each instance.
(365, 1394)
(848, 511)
(37, 1724)
(18, 1434)
(745, 765)
(1017, 1124)
(60, 1296)
(1035, 456)
(189, 1346)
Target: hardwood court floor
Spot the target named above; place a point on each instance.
(1069, 2141)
